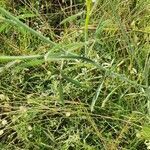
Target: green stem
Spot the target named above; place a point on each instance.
(88, 9)
(11, 58)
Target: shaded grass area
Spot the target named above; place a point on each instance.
(74, 75)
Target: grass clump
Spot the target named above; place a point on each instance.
(74, 75)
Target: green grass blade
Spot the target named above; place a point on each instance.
(24, 16)
(9, 65)
(108, 96)
(122, 77)
(96, 95)
(31, 63)
(71, 18)
(88, 9)
(60, 56)
(24, 26)
(60, 91)
(12, 58)
(75, 82)
(56, 57)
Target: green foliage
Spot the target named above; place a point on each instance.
(144, 133)
(74, 75)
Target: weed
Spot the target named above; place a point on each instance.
(74, 75)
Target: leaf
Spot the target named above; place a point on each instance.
(11, 58)
(32, 63)
(102, 24)
(23, 16)
(60, 91)
(4, 20)
(73, 46)
(3, 27)
(71, 18)
(145, 133)
(25, 27)
(9, 65)
(4, 24)
(108, 96)
(75, 82)
(59, 56)
(96, 95)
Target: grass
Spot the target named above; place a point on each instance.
(74, 75)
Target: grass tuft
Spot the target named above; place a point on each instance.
(74, 75)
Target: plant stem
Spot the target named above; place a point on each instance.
(11, 58)
(88, 9)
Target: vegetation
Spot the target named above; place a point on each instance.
(74, 75)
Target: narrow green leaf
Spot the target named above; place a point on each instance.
(3, 27)
(102, 24)
(32, 63)
(145, 132)
(60, 91)
(9, 65)
(71, 18)
(75, 82)
(87, 19)
(96, 95)
(108, 96)
(23, 16)
(4, 20)
(11, 58)
(55, 57)
(59, 56)
(73, 46)
(24, 26)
